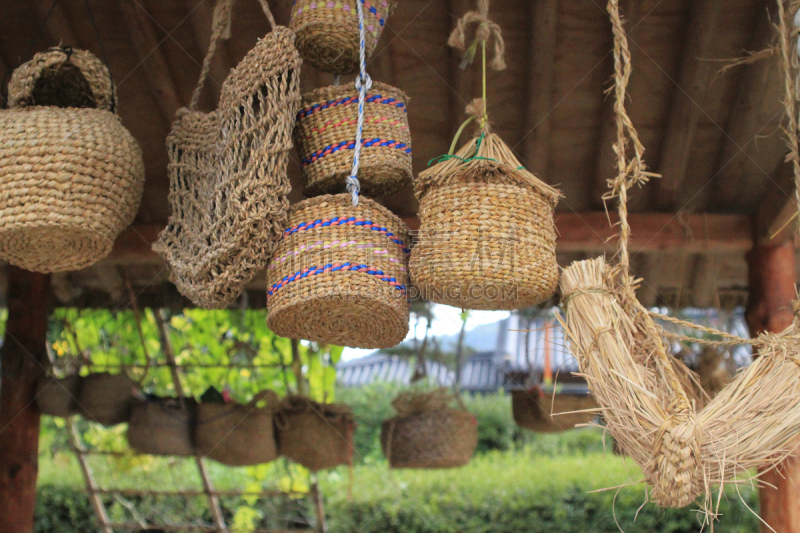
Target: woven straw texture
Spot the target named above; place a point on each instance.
(106, 398)
(317, 436)
(487, 239)
(161, 427)
(340, 274)
(228, 182)
(550, 413)
(327, 31)
(71, 178)
(428, 434)
(237, 434)
(325, 131)
(58, 397)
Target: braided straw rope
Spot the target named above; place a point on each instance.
(650, 407)
(325, 131)
(227, 169)
(340, 274)
(327, 31)
(71, 175)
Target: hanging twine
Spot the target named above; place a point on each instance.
(485, 31)
(363, 84)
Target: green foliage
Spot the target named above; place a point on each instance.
(62, 509)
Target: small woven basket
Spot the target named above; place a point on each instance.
(71, 175)
(106, 398)
(317, 436)
(487, 239)
(339, 275)
(161, 426)
(237, 434)
(532, 410)
(227, 169)
(58, 397)
(325, 131)
(327, 31)
(428, 434)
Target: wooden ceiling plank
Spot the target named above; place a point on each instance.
(704, 281)
(154, 64)
(58, 25)
(649, 270)
(544, 37)
(201, 20)
(687, 108)
(461, 80)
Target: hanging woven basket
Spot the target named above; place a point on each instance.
(71, 175)
(327, 31)
(161, 426)
(427, 433)
(325, 131)
(58, 397)
(550, 413)
(106, 398)
(238, 434)
(339, 275)
(227, 169)
(317, 436)
(487, 239)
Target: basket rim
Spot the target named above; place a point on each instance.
(332, 92)
(344, 200)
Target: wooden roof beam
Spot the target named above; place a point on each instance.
(155, 66)
(544, 35)
(692, 88)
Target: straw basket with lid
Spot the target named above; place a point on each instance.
(315, 435)
(71, 175)
(487, 236)
(427, 433)
(227, 169)
(327, 31)
(339, 275)
(324, 134)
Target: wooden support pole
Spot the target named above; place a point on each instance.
(772, 280)
(23, 358)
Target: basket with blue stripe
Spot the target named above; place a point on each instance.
(340, 274)
(324, 135)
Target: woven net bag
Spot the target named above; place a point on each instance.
(487, 239)
(327, 31)
(106, 398)
(427, 433)
(237, 434)
(71, 175)
(339, 275)
(550, 413)
(161, 426)
(227, 169)
(315, 435)
(325, 131)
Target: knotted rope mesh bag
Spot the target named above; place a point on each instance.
(327, 31)
(340, 275)
(427, 433)
(162, 426)
(652, 413)
(71, 175)
(487, 236)
(227, 169)
(324, 134)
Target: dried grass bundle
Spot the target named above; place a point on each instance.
(683, 450)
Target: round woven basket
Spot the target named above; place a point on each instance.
(539, 411)
(58, 397)
(324, 134)
(106, 398)
(487, 239)
(70, 178)
(317, 436)
(327, 31)
(339, 275)
(161, 426)
(236, 434)
(445, 438)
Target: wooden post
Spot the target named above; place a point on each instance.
(23, 358)
(772, 279)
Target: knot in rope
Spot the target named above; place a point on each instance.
(476, 109)
(486, 31)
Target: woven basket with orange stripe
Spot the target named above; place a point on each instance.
(325, 131)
